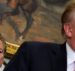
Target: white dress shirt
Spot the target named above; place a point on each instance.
(70, 58)
(2, 67)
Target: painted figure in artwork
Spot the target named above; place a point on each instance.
(12, 8)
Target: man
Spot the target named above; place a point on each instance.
(42, 56)
(2, 49)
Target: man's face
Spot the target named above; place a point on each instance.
(70, 32)
(72, 29)
(1, 53)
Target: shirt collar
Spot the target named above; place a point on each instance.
(2, 67)
(70, 54)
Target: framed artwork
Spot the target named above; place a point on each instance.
(30, 20)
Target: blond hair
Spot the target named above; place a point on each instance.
(67, 14)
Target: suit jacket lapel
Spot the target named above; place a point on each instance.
(61, 60)
(58, 58)
(63, 63)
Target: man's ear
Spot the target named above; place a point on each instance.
(68, 30)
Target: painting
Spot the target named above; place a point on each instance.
(16, 18)
(31, 20)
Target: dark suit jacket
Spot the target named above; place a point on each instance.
(39, 56)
